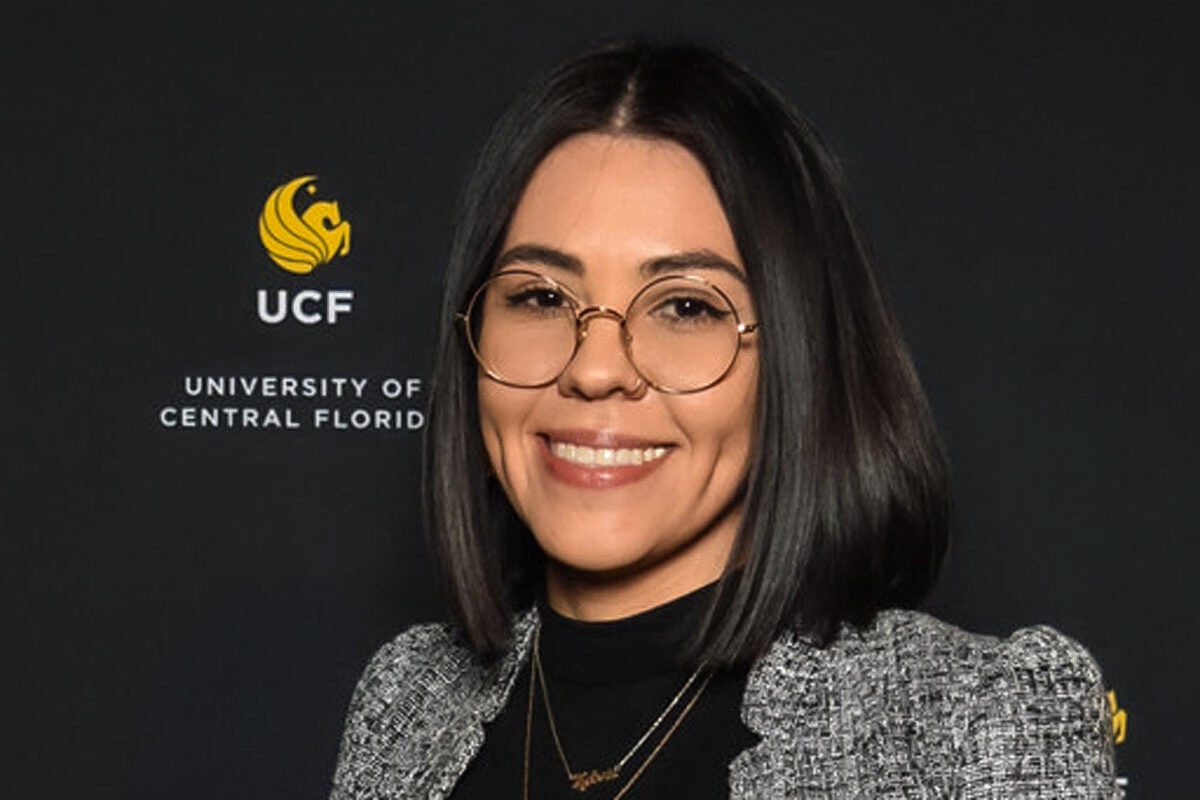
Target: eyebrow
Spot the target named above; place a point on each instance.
(686, 261)
(539, 254)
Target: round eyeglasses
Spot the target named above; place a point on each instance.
(681, 333)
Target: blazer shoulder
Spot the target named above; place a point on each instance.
(423, 660)
(1051, 654)
(1029, 716)
(1036, 673)
(1039, 651)
(1034, 721)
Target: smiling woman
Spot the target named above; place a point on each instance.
(684, 487)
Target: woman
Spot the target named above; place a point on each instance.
(683, 481)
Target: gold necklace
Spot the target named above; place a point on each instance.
(582, 781)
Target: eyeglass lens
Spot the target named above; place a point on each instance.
(682, 333)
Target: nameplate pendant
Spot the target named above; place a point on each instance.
(582, 781)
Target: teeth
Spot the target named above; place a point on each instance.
(605, 456)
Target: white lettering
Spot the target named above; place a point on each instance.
(276, 316)
(393, 388)
(305, 306)
(226, 417)
(361, 419)
(339, 302)
(306, 296)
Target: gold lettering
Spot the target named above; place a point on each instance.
(582, 781)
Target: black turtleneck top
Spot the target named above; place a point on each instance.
(608, 682)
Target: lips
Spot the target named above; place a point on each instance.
(597, 460)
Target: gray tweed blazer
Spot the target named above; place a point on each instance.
(909, 707)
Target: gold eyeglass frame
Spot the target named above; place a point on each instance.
(585, 314)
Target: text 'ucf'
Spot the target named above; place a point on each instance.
(308, 306)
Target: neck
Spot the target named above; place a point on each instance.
(653, 643)
(600, 597)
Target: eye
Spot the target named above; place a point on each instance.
(689, 309)
(693, 307)
(539, 297)
(529, 298)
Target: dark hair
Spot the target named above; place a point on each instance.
(846, 501)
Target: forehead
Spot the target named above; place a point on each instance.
(615, 201)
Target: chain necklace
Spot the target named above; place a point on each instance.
(582, 781)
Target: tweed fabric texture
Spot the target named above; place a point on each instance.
(909, 707)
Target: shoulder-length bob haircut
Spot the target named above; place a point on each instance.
(846, 502)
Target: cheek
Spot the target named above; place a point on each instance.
(741, 421)
(502, 413)
(492, 415)
(733, 448)
(719, 429)
(724, 419)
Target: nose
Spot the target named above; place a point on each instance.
(601, 365)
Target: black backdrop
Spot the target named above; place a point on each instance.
(186, 609)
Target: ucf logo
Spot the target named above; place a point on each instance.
(300, 243)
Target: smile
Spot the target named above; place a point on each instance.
(600, 460)
(605, 456)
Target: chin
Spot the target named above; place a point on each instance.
(599, 549)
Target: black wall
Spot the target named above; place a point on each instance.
(186, 609)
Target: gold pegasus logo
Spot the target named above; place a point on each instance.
(300, 243)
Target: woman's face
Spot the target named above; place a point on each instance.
(600, 214)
